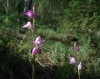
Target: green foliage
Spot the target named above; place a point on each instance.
(55, 20)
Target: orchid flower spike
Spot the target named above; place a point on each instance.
(80, 66)
(72, 60)
(30, 14)
(38, 41)
(35, 50)
(28, 25)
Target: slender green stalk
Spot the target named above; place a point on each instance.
(33, 69)
(79, 74)
(32, 30)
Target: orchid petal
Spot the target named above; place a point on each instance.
(35, 50)
(28, 25)
(77, 48)
(38, 41)
(72, 60)
(80, 66)
(30, 14)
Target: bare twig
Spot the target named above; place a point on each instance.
(40, 63)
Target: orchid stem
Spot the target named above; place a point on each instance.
(79, 74)
(33, 69)
(32, 29)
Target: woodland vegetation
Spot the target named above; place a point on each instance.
(60, 23)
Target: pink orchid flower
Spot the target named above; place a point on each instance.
(35, 50)
(80, 66)
(77, 48)
(30, 14)
(38, 41)
(72, 60)
(28, 25)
